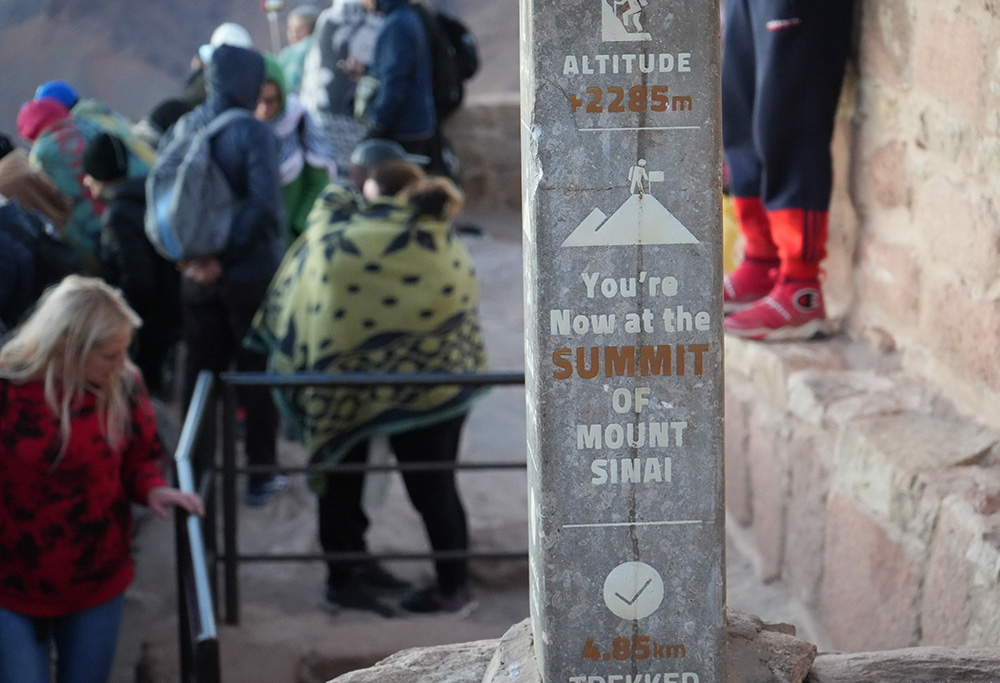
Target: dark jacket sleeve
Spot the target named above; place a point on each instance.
(396, 57)
(17, 279)
(127, 261)
(247, 152)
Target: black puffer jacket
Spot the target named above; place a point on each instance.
(247, 152)
(17, 268)
(150, 283)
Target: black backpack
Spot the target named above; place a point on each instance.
(454, 55)
(54, 258)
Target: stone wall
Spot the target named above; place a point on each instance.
(923, 180)
(865, 469)
(486, 135)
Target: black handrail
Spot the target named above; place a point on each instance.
(230, 380)
(199, 644)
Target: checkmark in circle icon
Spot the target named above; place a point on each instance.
(633, 590)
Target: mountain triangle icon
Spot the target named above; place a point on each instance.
(640, 220)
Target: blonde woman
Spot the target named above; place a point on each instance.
(78, 444)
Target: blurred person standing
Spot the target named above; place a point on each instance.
(150, 283)
(160, 118)
(342, 51)
(301, 24)
(227, 33)
(306, 163)
(384, 286)
(18, 284)
(34, 191)
(220, 293)
(782, 70)
(402, 108)
(79, 447)
(57, 143)
(106, 119)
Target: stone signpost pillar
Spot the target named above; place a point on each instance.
(622, 196)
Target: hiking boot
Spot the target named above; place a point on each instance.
(792, 311)
(260, 492)
(352, 595)
(431, 600)
(373, 575)
(750, 282)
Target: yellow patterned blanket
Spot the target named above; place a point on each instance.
(369, 288)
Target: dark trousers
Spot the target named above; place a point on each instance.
(782, 68)
(216, 318)
(343, 522)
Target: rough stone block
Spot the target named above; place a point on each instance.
(886, 42)
(879, 460)
(887, 174)
(955, 326)
(945, 611)
(738, 493)
(833, 399)
(460, 663)
(768, 458)
(949, 55)
(916, 665)
(871, 581)
(961, 233)
(889, 274)
(764, 653)
(768, 366)
(802, 568)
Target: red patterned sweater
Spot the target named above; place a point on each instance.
(66, 532)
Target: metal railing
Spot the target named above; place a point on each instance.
(199, 644)
(231, 557)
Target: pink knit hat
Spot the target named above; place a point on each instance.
(37, 115)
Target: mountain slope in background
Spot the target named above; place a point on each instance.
(131, 54)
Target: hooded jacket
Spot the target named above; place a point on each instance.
(402, 63)
(306, 158)
(247, 153)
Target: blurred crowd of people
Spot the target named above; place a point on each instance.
(341, 256)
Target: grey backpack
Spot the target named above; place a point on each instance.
(189, 203)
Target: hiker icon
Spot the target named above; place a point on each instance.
(638, 174)
(632, 12)
(621, 20)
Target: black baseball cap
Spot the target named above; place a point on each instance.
(379, 150)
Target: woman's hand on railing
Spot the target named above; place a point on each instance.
(163, 497)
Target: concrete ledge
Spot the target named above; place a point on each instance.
(866, 492)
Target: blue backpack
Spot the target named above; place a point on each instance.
(189, 203)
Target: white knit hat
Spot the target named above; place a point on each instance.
(229, 33)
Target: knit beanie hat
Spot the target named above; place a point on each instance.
(58, 90)
(274, 73)
(376, 151)
(166, 113)
(106, 158)
(37, 115)
(228, 33)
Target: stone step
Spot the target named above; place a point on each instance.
(866, 492)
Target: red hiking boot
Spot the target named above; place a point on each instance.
(793, 310)
(750, 282)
